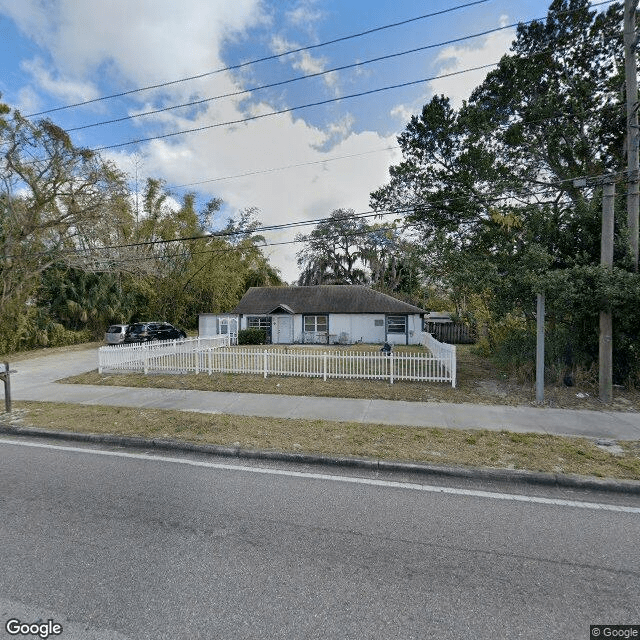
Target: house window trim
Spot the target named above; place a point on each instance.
(397, 333)
(316, 316)
(268, 327)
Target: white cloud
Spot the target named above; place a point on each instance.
(307, 192)
(304, 13)
(65, 89)
(336, 132)
(152, 41)
(402, 112)
(141, 43)
(304, 61)
(308, 64)
(28, 100)
(454, 59)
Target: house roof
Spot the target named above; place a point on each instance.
(322, 299)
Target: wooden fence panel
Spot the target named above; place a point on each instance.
(451, 332)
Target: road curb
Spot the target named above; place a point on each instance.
(496, 475)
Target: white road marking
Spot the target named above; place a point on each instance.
(348, 479)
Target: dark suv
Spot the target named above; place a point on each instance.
(148, 331)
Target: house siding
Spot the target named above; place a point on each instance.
(210, 324)
(343, 328)
(207, 324)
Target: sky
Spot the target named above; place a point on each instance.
(299, 165)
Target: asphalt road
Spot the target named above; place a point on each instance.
(116, 544)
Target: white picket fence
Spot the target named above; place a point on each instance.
(216, 355)
(164, 355)
(446, 353)
(330, 364)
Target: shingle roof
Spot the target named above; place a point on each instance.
(322, 299)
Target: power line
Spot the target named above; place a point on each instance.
(290, 109)
(250, 118)
(308, 76)
(485, 201)
(291, 166)
(298, 78)
(270, 170)
(610, 107)
(355, 155)
(308, 105)
(264, 59)
(230, 249)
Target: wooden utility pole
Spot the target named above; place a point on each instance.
(631, 84)
(606, 326)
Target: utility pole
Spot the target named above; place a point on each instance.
(605, 351)
(540, 349)
(631, 84)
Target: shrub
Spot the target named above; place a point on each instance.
(252, 336)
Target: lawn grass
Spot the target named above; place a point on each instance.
(477, 448)
(478, 382)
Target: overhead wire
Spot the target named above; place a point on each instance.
(309, 76)
(230, 249)
(485, 201)
(284, 168)
(260, 116)
(263, 59)
(289, 225)
(554, 116)
(308, 105)
(327, 101)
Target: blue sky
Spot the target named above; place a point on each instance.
(64, 51)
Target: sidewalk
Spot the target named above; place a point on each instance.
(35, 380)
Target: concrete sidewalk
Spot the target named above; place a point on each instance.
(35, 380)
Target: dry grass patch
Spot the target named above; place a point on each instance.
(506, 450)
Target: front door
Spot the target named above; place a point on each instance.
(283, 329)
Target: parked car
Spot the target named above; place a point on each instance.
(116, 333)
(148, 331)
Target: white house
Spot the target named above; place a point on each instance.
(329, 314)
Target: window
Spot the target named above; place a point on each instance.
(378, 323)
(227, 325)
(397, 324)
(223, 324)
(316, 324)
(259, 322)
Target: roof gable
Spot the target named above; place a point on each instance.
(321, 299)
(283, 308)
